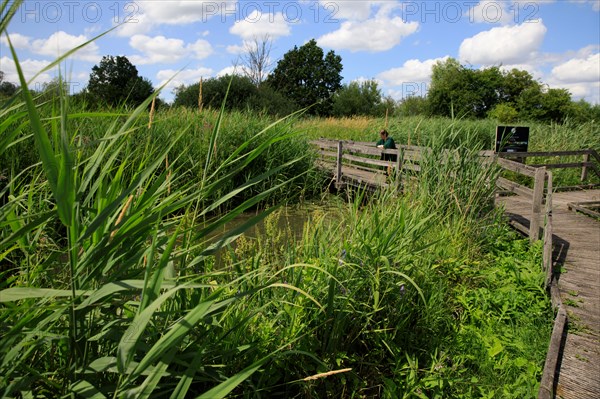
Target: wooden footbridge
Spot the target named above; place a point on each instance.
(567, 219)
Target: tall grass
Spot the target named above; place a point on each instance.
(101, 291)
(110, 287)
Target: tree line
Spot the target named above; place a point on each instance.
(308, 78)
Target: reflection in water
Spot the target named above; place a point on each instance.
(285, 224)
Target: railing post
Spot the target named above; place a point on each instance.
(536, 208)
(399, 162)
(547, 255)
(586, 159)
(338, 174)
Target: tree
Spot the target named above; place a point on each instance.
(356, 98)
(241, 89)
(115, 81)
(308, 77)
(7, 89)
(450, 92)
(413, 105)
(256, 61)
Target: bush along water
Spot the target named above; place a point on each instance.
(411, 296)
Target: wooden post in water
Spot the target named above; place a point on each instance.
(547, 255)
(536, 209)
(586, 159)
(338, 174)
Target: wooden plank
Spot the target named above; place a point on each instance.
(587, 211)
(513, 187)
(547, 252)
(368, 161)
(536, 205)
(517, 167)
(570, 165)
(338, 174)
(544, 154)
(550, 366)
(327, 154)
(586, 159)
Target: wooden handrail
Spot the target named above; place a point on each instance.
(544, 153)
(517, 167)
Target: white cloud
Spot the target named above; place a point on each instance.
(230, 70)
(147, 14)
(162, 50)
(236, 49)
(503, 45)
(201, 49)
(56, 45)
(186, 76)
(380, 33)
(411, 72)
(18, 41)
(578, 70)
(30, 68)
(532, 68)
(60, 42)
(257, 24)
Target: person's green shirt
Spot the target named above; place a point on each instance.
(387, 144)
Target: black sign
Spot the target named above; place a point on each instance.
(512, 138)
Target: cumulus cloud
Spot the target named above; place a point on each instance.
(578, 70)
(379, 33)
(230, 70)
(258, 24)
(56, 45)
(162, 50)
(18, 41)
(503, 45)
(184, 77)
(236, 49)
(30, 68)
(144, 15)
(411, 72)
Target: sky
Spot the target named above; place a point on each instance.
(174, 42)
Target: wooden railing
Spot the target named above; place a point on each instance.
(587, 162)
(348, 158)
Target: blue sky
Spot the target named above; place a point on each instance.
(395, 42)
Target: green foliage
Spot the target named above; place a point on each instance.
(7, 89)
(581, 111)
(504, 113)
(309, 77)
(115, 81)
(242, 95)
(413, 106)
(359, 98)
(464, 92)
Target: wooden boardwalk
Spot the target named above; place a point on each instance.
(567, 222)
(576, 259)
